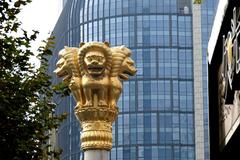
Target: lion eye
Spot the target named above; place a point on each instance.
(89, 59)
(130, 62)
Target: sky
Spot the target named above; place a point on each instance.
(40, 15)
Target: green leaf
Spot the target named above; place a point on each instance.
(26, 108)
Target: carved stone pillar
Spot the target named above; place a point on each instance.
(96, 123)
(96, 155)
(94, 73)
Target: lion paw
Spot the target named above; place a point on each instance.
(78, 106)
(113, 105)
(102, 103)
(88, 104)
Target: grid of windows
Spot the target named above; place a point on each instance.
(208, 11)
(156, 118)
(153, 152)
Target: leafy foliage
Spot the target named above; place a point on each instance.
(26, 108)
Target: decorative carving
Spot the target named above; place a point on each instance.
(222, 85)
(97, 134)
(68, 68)
(230, 58)
(122, 66)
(94, 73)
(228, 81)
(95, 62)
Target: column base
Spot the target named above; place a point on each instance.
(96, 155)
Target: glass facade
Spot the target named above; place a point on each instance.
(208, 10)
(64, 2)
(156, 120)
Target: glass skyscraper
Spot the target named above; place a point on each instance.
(157, 119)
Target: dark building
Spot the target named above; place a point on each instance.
(163, 109)
(224, 82)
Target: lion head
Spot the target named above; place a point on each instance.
(122, 64)
(67, 65)
(95, 59)
(95, 62)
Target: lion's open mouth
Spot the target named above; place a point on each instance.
(60, 72)
(123, 76)
(95, 69)
(126, 73)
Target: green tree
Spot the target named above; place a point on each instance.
(26, 108)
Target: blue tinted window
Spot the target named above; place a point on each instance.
(156, 109)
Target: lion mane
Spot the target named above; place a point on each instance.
(119, 55)
(68, 67)
(102, 47)
(95, 85)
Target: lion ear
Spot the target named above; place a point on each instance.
(81, 44)
(107, 44)
(66, 48)
(122, 47)
(61, 52)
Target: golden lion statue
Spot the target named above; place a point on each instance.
(94, 72)
(95, 62)
(122, 66)
(68, 68)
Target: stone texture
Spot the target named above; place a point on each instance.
(198, 86)
(96, 155)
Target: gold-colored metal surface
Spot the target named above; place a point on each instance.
(229, 49)
(94, 73)
(197, 1)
